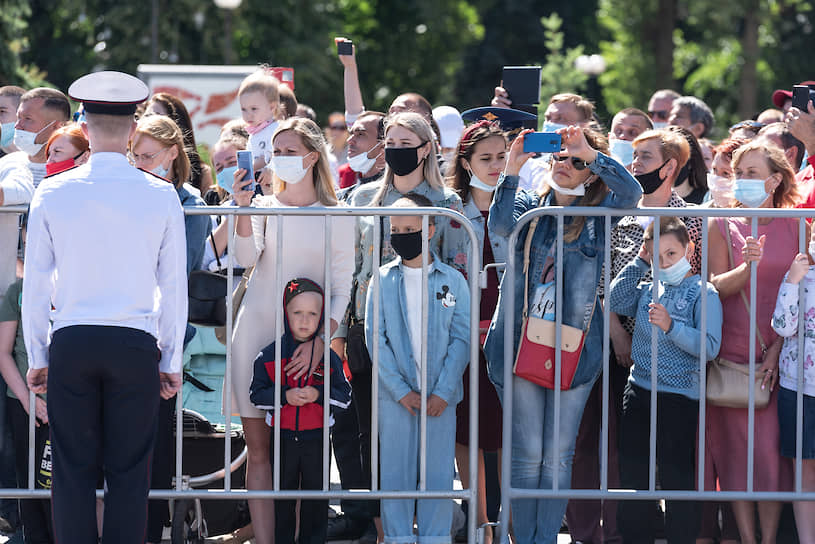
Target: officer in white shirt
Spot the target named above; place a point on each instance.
(104, 314)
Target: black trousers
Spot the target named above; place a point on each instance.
(34, 513)
(301, 467)
(676, 445)
(351, 439)
(158, 510)
(103, 399)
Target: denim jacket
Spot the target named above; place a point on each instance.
(198, 228)
(451, 241)
(448, 333)
(498, 243)
(582, 261)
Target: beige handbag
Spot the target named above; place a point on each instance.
(728, 383)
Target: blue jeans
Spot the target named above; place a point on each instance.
(399, 439)
(534, 455)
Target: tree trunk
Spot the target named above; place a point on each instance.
(664, 44)
(749, 46)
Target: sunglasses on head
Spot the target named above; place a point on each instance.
(577, 164)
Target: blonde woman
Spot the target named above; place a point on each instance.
(302, 178)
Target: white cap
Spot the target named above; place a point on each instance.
(450, 124)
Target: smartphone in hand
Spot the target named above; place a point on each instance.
(345, 48)
(542, 142)
(801, 95)
(245, 163)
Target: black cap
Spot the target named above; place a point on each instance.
(110, 93)
(510, 120)
(297, 286)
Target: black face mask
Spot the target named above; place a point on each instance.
(683, 174)
(651, 181)
(403, 160)
(407, 245)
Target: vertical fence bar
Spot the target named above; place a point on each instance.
(558, 350)
(179, 436)
(423, 360)
(700, 462)
(799, 397)
(280, 315)
(606, 355)
(327, 352)
(32, 415)
(751, 408)
(373, 287)
(475, 348)
(652, 440)
(230, 266)
(509, 333)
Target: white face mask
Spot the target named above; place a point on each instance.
(812, 250)
(24, 140)
(160, 171)
(289, 169)
(362, 163)
(478, 184)
(580, 190)
(658, 126)
(622, 151)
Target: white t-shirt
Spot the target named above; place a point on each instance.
(413, 294)
(533, 173)
(261, 143)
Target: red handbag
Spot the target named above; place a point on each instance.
(535, 360)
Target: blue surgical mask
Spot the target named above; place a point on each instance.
(160, 171)
(478, 184)
(750, 192)
(549, 126)
(660, 125)
(6, 134)
(225, 178)
(674, 274)
(622, 151)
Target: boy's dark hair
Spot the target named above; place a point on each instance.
(669, 225)
(415, 200)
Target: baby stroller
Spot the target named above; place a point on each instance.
(193, 520)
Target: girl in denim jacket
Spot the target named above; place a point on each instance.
(581, 175)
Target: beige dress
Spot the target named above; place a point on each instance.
(303, 256)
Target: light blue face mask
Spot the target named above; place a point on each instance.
(549, 126)
(478, 184)
(6, 134)
(660, 125)
(225, 178)
(160, 171)
(674, 274)
(622, 151)
(750, 192)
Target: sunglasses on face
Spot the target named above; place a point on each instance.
(577, 164)
(659, 114)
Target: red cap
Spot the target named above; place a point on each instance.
(780, 95)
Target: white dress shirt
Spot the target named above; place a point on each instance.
(106, 246)
(18, 188)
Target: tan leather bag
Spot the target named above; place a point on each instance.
(728, 383)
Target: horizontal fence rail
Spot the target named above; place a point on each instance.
(475, 278)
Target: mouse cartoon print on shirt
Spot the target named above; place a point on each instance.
(448, 300)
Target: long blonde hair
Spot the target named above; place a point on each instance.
(313, 140)
(419, 126)
(164, 130)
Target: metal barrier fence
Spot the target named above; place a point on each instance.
(510, 493)
(181, 490)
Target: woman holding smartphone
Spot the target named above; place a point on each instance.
(302, 178)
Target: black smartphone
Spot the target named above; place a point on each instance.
(522, 83)
(345, 47)
(245, 163)
(801, 94)
(541, 142)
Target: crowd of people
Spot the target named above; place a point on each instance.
(60, 308)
